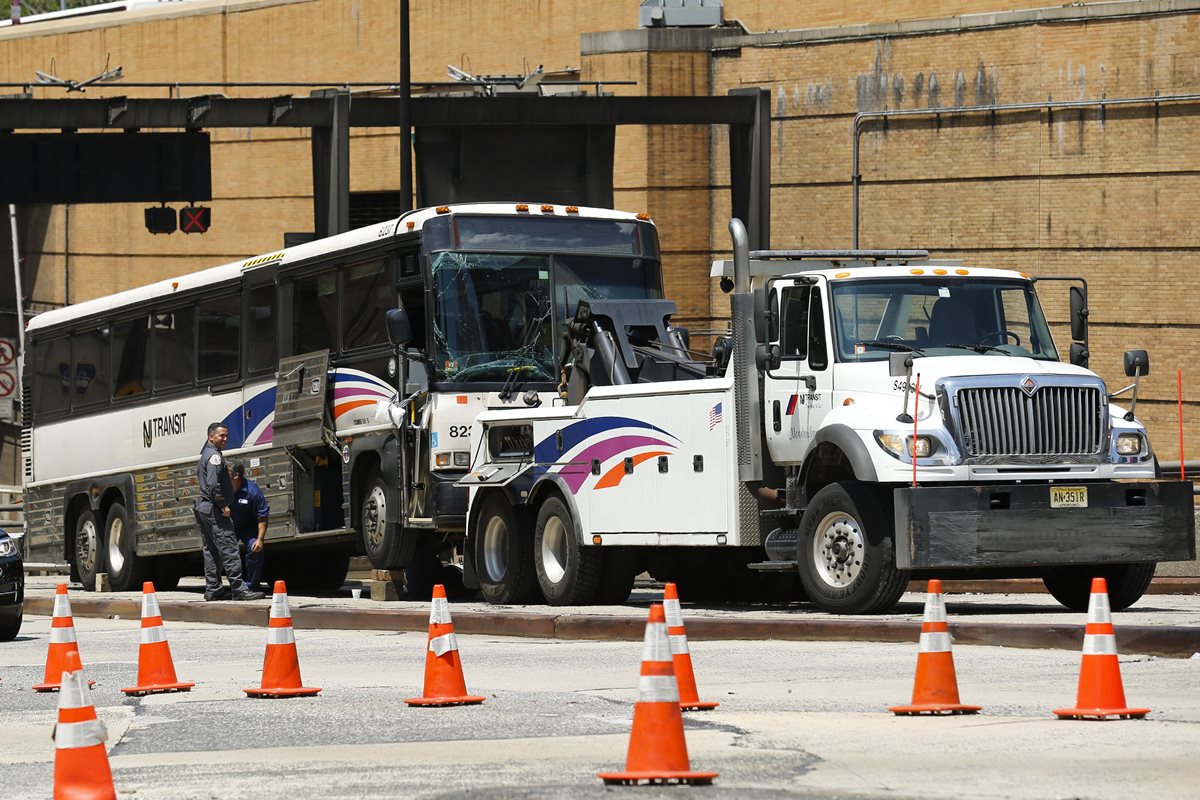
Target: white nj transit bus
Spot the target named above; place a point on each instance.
(290, 350)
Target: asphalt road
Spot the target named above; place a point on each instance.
(797, 719)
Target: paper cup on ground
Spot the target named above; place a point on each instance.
(356, 594)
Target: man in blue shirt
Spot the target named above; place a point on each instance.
(250, 512)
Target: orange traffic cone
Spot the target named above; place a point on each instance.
(62, 641)
(657, 749)
(444, 682)
(685, 677)
(156, 671)
(281, 665)
(81, 770)
(935, 690)
(1101, 694)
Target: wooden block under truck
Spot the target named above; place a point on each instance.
(874, 417)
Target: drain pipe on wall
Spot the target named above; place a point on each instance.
(1048, 105)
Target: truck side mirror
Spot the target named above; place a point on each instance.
(399, 329)
(1137, 363)
(1079, 355)
(768, 357)
(766, 315)
(899, 363)
(1079, 314)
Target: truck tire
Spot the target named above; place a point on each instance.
(568, 572)
(847, 557)
(1072, 586)
(616, 579)
(126, 570)
(387, 544)
(504, 555)
(87, 556)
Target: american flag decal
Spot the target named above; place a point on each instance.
(714, 416)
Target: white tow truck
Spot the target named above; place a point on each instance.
(874, 417)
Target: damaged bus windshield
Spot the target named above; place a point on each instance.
(502, 311)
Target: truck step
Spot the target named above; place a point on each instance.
(774, 566)
(780, 517)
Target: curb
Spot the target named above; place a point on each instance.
(1170, 641)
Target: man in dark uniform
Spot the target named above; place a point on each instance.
(250, 514)
(216, 527)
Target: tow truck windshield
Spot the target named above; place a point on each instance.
(939, 317)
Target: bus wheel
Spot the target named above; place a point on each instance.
(87, 549)
(568, 572)
(125, 570)
(1072, 586)
(504, 555)
(847, 561)
(386, 544)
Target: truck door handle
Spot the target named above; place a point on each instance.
(809, 381)
(775, 416)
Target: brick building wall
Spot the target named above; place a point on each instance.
(1099, 193)
(1078, 192)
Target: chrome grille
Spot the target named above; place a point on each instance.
(1053, 421)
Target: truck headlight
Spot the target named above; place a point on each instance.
(1129, 444)
(902, 446)
(462, 459)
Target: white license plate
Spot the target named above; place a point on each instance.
(1068, 497)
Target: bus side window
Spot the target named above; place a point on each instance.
(219, 337)
(260, 346)
(174, 347)
(366, 298)
(130, 351)
(51, 375)
(412, 300)
(89, 370)
(314, 313)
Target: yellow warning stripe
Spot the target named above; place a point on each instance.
(255, 262)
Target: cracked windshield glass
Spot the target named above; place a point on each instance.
(495, 314)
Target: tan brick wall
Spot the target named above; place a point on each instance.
(1065, 193)
(1103, 195)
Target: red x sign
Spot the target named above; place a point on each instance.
(195, 219)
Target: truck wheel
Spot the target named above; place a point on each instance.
(616, 580)
(1072, 586)
(126, 570)
(86, 549)
(504, 555)
(847, 558)
(388, 545)
(568, 572)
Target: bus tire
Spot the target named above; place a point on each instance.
(847, 559)
(386, 544)
(126, 570)
(568, 572)
(504, 555)
(1072, 586)
(166, 571)
(87, 556)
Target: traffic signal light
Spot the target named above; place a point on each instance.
(160, 219)
(195, 219)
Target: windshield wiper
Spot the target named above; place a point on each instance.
(978, 348)
(899, 347)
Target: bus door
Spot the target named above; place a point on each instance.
(304, 428)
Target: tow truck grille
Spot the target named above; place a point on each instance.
(1053, 421)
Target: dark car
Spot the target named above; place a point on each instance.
(12, 587)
